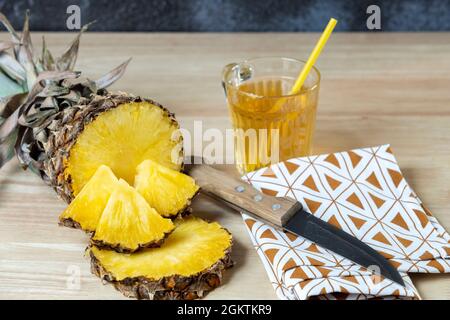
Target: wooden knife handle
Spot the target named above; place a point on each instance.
(242, 196)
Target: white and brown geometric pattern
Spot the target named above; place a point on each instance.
(363, 192)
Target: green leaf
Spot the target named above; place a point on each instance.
(47, 61)
(7, 148)
(24, 53)
(66, 62)
(5, 45)
(9, 87)
(12, 68)
(26, 39)
(9, 27)
(112, 76)
(9, 104)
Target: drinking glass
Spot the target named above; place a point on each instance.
(270, 123)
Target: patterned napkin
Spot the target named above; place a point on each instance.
(364, 193)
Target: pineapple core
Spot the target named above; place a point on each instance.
(128, 222)
(86, 209)
(166, 190)
(122, 138)
(192, 247)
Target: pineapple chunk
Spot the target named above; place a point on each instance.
(122, 138)
(193, 247)
(85, 210)
(129, 223)
(166, 190)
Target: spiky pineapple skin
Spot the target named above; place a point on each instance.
(70, 223)
(173, 287)
(66, 128)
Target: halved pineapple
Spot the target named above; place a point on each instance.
(189, 263)
(128, 223)
(85, 210)
(168, 191)
(122, 138)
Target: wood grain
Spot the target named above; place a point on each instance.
(376, 88)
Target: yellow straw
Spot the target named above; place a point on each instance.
(314, 55)
(311, 60)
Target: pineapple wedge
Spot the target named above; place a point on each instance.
(128, 223)
(188, 264)
(168, 191)
(85, 210)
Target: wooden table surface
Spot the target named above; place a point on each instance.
(376, 88)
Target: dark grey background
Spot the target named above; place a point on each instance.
(231, 15)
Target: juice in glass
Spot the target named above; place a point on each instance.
(270, 124)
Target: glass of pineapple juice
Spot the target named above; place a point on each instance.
(270, 124)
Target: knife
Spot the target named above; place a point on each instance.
(289, 215)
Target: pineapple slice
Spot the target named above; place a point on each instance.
(122, 138)
(86, 209)
(190, 262)
(168, 191)
(128, 223)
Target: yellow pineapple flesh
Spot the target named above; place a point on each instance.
(122, 138)
(193, 247)
(166, 190)
(86, 209)
(128, 223)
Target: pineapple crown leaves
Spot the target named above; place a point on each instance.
(36, 90)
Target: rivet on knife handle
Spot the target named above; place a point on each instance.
(243, 197)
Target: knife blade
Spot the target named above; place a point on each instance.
(289, 215)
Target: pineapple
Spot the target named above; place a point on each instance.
(116, 214)
(188, 264)
(86, 143)
(122, 138)
(128, 223)
(85, 210)
(168, 191)
(64, 126)
(119, 131)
